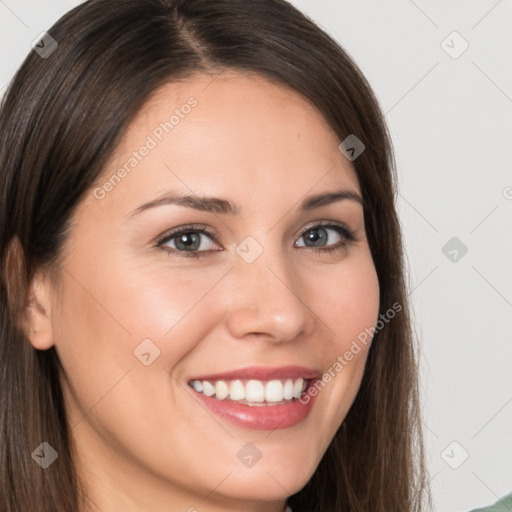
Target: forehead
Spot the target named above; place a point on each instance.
(231, 132)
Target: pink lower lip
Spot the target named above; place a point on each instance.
(271, 417)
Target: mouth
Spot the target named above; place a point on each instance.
(258, 398)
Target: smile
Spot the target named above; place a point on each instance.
(253, 392)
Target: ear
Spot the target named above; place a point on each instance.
(37, 321)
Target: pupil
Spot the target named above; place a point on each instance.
(316, 235)
(188, 240)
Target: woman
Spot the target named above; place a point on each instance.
(203, 299)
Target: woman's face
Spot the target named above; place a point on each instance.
(137, 319)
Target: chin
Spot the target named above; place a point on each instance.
(270, 482)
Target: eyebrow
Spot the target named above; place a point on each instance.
(223, 206)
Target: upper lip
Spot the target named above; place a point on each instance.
(262, 373)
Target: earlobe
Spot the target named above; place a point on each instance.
(37, 322)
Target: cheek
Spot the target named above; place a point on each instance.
(110, 321)
(117, 309)
(349, 306)
(348, 300)
(105, 317)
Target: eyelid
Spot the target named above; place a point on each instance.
(328, 223)
(200, 228)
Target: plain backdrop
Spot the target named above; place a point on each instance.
(442, 73)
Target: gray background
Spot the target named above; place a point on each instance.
(450, 119)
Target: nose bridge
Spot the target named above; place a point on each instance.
(265, 298)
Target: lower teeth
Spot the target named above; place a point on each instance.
(258, 404)
(264, 404)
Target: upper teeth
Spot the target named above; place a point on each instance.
(252, 390)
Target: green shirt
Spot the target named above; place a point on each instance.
(503, 505)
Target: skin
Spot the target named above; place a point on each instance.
(143, 441)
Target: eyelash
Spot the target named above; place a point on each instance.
(348, 238)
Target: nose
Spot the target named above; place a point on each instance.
(267, 299)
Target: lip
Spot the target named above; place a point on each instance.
(262, 373)
(261, 417)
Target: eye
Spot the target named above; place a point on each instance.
(318, 237)
(188, 241)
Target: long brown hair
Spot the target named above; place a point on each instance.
(62, 117)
